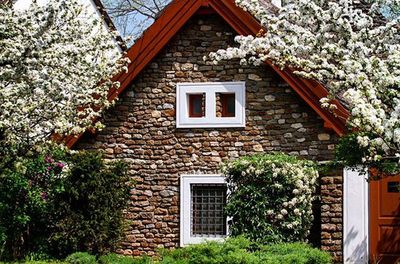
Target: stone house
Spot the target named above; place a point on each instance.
(178, 117)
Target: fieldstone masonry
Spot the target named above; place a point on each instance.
(332, 213)
(141, 130)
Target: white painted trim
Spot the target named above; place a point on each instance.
(210, 89)
(185, 215)
(355, 217)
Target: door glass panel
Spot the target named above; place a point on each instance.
(390, 193)
(393, 187)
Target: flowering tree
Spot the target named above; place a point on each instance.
(56, 65)
(353, 52)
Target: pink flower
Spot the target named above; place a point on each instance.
(48, 159)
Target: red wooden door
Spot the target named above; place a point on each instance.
(385, 220)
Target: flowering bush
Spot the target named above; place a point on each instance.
(27, 187)
(55, 202)
(349, 50)
(270, 197)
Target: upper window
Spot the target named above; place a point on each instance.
(203, 198)
(210, 105)
(196, 105)
(227, 103)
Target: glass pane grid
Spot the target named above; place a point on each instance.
(207, 210)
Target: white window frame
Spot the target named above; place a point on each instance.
(210, 90)
(185, 203)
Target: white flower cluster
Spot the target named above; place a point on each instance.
(56, 65)
(289, 189)
(348, 50)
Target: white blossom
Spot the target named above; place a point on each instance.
(289, 188)
(345, 49)
(56, 65)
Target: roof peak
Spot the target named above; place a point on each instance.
(176, 15)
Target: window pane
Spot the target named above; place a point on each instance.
(225, 104)
(196, 105)
(207, 209)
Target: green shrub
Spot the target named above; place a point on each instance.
(3, 239)
(301, 252)
(43, 262)
(90, 209)
(270, 197)
(241, 250)
(81, 258)
(234, 250)
(349, 153)
(37, 256)
(113, 258)
(56, 202)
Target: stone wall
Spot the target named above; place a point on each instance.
(141, 130)
(332, 213)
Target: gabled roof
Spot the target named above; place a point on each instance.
(175, 16)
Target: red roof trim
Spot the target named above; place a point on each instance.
(242, 22)
(155, 38)
(311, 92)
(172, 20)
